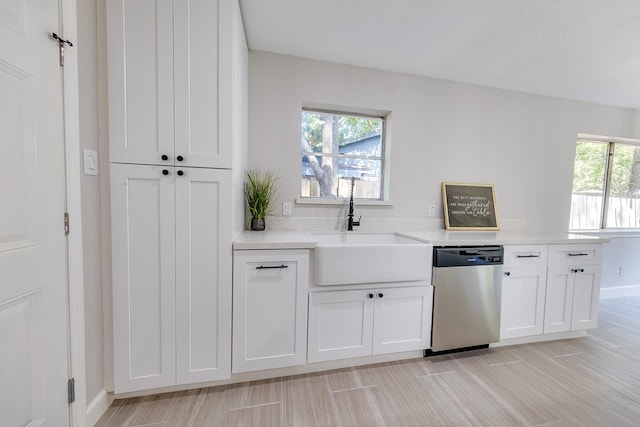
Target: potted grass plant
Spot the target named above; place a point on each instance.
(259, 190)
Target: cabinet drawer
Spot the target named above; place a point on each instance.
(525, 255)
(574, 254)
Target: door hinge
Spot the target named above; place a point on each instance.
(66, 223)
(71, 390)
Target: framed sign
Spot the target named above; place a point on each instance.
(469, 206)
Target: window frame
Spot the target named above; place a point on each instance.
(608, 172)
(383, 116)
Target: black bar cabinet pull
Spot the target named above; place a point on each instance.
(582, 254)
(528, 256)
(264, 267)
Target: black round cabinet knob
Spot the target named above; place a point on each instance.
(370, 295)
(380, 295)
(165, 172)
(165, 157)
(507, 273)
(179, 158)
(180, 173)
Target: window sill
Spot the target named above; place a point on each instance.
(626, 232)
(340, 202)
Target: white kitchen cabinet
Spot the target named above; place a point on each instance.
(171, 238)
(170, 67)
(573, 288)
(523, 290)
(353, 323)
(270, 289)
(402, 319)
(572, 298)
(340, 324)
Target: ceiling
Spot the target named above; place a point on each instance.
(586, 50)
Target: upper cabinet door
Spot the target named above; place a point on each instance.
(202, 83)
(140, 68)
(170, 82)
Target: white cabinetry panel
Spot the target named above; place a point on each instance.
(523, 294)
(203, 274)
(347, 323)
(172, 69)
(340, 324)
(171, 275)
(524, 286)
(270, 309)
(169, 81)
(402, 319)
(586, 295)
(573, 288)
(143, 226)
(559, 300)
(140, 61)
(197, 100)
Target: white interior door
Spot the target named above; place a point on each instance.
(33, 280)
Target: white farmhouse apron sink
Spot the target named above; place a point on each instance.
(355, 258)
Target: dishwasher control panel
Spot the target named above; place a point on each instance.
(449, 256)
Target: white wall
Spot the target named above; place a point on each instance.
(439, 131)
(90, 190)
(621, 252)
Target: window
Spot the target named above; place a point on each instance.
(338, 149)
(606, 185)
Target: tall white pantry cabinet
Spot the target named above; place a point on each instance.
(171, 85)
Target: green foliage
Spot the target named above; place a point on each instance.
(622, 171)
(590, 166)
(350, 128)
(591, 160)
(259, 189)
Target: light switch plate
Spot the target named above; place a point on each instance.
(90, 161)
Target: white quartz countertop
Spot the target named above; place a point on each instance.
(308, 240)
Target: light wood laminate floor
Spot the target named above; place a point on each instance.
(590, 381)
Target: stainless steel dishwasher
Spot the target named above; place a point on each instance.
(467, 295)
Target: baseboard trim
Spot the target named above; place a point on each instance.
(282, 372)
(620, 291)
(540, 338)
(98, 407)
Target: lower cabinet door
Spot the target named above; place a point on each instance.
(203, 275)
(402, 319)
(143, 253)
(586, 296)
(270, 290)
(523, 299)
(559, 299)
(340, 324)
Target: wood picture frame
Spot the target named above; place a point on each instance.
(470, 207)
